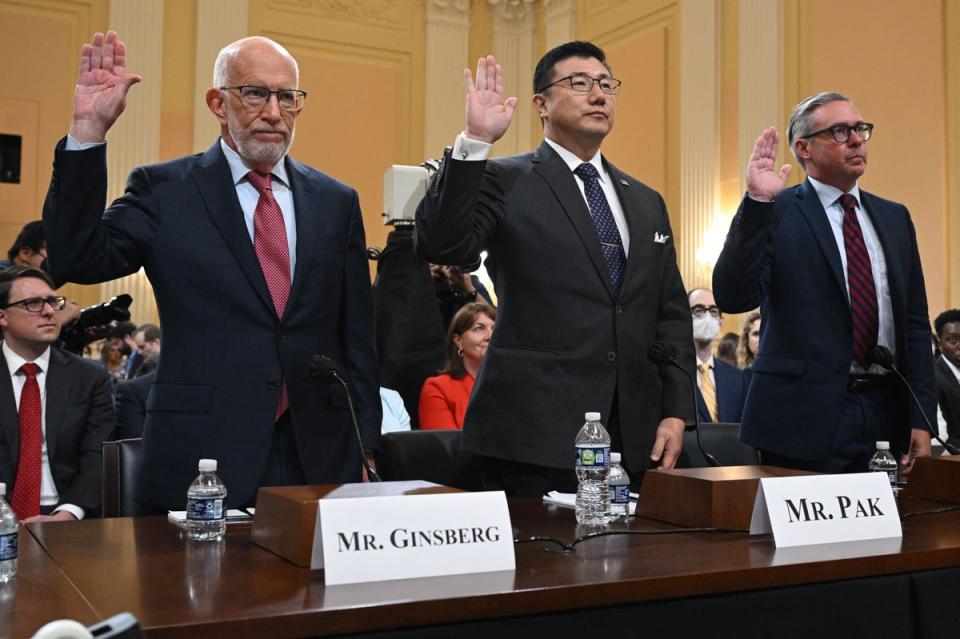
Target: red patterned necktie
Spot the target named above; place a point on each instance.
(25, 498)
(270, 245)
(863, 292)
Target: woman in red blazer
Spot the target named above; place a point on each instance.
(443, 399)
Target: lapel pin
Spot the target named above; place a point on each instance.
(624, 182)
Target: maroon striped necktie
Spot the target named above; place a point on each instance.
(25, 497)
(863, 292)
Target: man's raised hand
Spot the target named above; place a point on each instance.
(102, 84)
(488, 114)
(764, 183)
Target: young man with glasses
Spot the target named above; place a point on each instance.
(55, 408)
(836, 273)
(721, 387)
(257, 263)
(583, 260)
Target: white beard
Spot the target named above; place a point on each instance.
(253, 151)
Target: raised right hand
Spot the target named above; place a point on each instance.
(764, 183)
(102, 84)
(488, 114)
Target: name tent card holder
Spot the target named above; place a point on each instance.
(823, 509)
(401, 537)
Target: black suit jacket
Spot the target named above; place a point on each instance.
(132, 405)
(783, 257)
(225, 351)
(731, 390)
(79, 417)
(948, 395)
(564, 343)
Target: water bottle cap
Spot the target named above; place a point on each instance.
(883, 445)
(592, 416)
(614, 458)
(3, 489)
(208, 465)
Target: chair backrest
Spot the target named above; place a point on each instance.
(720, 440)
(429, 455)
(120, 459)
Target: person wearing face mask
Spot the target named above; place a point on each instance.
(443, 399)
(720, 387)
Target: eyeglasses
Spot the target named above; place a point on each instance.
(583, 83)
(257, 97)
(35, 304)
(841, 132)
(699, 309)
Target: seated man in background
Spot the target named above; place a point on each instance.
(947, 368)
(720, 387)
(131, 400)
(50, 456)
(444, 398)
(29, 249)
(144, 343)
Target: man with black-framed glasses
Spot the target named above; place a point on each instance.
(257, 262)
(55, 407)
(584, 264)
(836, 273)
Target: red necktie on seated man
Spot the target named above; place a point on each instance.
(270, 245)
(25, 498)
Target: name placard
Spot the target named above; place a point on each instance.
(822, 509)
(402, 537)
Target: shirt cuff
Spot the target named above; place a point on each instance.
(469, 149)
(74, 145)
(76, 511)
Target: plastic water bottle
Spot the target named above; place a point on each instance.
(9, 525)
(883, 461)
(206, 516)
(593, 464)
(619, 484)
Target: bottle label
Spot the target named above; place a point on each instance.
(620, 494)
(204, 509)
(589, 457)
(8, 546)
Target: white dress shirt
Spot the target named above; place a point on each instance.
(474, 150)
(830, 199)
(48, 490)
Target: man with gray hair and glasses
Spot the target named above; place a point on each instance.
(257, 263)
(836, 273)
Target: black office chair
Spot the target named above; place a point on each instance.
(721, 441)
(430, 455)
(119, 477)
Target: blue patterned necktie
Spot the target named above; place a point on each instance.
(607, 231)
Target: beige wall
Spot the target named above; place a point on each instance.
(363, 64)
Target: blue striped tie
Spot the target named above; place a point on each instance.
(607, 231)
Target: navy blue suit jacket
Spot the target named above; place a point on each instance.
(783, 257)
(225, 351)
(731, 393)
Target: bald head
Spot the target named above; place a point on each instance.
(242, 52)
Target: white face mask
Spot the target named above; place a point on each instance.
(706, 328)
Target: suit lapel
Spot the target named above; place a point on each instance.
(809, 204)
(215, 183)
(58, 385)
(306, 206)
(945, 370)
(561, 181)
(9, 418)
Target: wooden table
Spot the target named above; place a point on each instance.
(179, 588)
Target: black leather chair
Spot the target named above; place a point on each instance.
(430, 455)
(721, 441)
(119, 477)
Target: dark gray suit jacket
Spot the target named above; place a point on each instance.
(564, 343)
(79, 418)
(948, 395)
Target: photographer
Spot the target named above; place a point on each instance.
(455, 289)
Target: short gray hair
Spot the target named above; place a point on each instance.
(799, 124)
(221, 67)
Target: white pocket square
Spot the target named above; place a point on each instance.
(660, 239)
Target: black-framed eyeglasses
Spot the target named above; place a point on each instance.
(257, 97)
(699, 310)
(35, 304)
(583, 83)
(841, 132)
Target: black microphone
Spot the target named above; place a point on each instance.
(324, 369)
(662, 354)
(883, 357)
